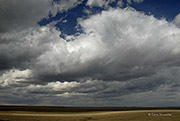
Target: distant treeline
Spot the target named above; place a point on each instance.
(78, 109)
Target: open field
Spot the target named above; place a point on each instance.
(91, 114)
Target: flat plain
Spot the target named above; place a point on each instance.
(24, 113)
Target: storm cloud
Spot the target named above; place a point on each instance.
(122, 57)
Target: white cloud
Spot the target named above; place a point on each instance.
(53, 87)
(67, 94)
(129, 1)
(64, 5)
(101, 3)
(138, 1)
(115, 41)
(62, 85)
(120, 3)
(15, 76)
(105, 3)
(176, 20)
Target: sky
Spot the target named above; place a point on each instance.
(90, 52)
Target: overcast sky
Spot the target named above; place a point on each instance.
(90, 52)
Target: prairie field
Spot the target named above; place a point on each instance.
(86, 115)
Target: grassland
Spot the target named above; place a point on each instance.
(88, 114)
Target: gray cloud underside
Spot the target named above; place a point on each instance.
(123, 58)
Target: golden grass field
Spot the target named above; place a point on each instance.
(137, 115)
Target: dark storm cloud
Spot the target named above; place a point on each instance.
(18, 14)
(18, 17)
(159, 86)
(19, 50)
